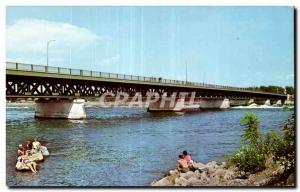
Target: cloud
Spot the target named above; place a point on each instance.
(27, 38)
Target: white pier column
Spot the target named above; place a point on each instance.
(278, 102)
(65, 109)
(251, 101)
(267, 102)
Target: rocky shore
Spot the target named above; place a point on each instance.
(218, 174)
(221, 174)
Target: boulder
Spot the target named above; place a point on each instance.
(204, 177)
(195, 182)
(212, 164)
(173, 172)
(201, 167)
(188, 174)
(181, 181)
(219, 173)
(229, 175)
(166, 181)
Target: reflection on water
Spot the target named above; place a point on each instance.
(122, 146)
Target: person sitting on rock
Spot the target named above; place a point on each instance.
(21, 150)
(30, 164)
(187, 156)
(189, 160)
(29, 150)
(36, 145)
(182, 165)
(28, 145)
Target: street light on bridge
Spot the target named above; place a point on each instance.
(48, 42)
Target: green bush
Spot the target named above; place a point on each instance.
(255, 148)
(251, 133)
(249, 157)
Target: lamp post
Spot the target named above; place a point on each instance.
(48, 42)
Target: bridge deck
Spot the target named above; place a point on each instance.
(20, 69)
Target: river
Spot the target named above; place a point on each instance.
(124, 146)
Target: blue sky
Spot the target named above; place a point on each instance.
(236, 46)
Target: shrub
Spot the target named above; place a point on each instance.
(255, 148)
(249, 157)
(251, 133)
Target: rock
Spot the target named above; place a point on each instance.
(199, 165)
(239, 182)
(204, 177)
(180, 181)
(223, 165)
(195, 182)
(212, 164)
(229, 175)
(291, 180)
(163, 182)
(166, 181)
(188, 175)
(198, 174)
(219, 174)
(172, 172)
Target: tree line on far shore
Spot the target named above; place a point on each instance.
(274, 89)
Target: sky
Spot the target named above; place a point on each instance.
(234, 46)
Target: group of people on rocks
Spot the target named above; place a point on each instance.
(185, 163)
(26, 153)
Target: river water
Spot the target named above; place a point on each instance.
(124, 146)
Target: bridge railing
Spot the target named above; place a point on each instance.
(87, 73)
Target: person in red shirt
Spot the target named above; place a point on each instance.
(189, 160)
(187, 156)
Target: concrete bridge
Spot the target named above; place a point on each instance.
(60, 92)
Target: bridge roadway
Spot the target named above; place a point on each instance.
(53, 83)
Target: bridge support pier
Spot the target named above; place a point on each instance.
(240, 102)
(211, 103)
(251, 101)
(263, 102)
(276, 102)
(178, 106)
(65, 109)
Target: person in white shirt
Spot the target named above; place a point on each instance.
(36, 145)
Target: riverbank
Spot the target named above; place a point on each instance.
(221, 174)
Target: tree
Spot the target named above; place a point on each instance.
(289, 90)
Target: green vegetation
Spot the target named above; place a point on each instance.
(275, 89)
(256, 149)
(289, 90)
